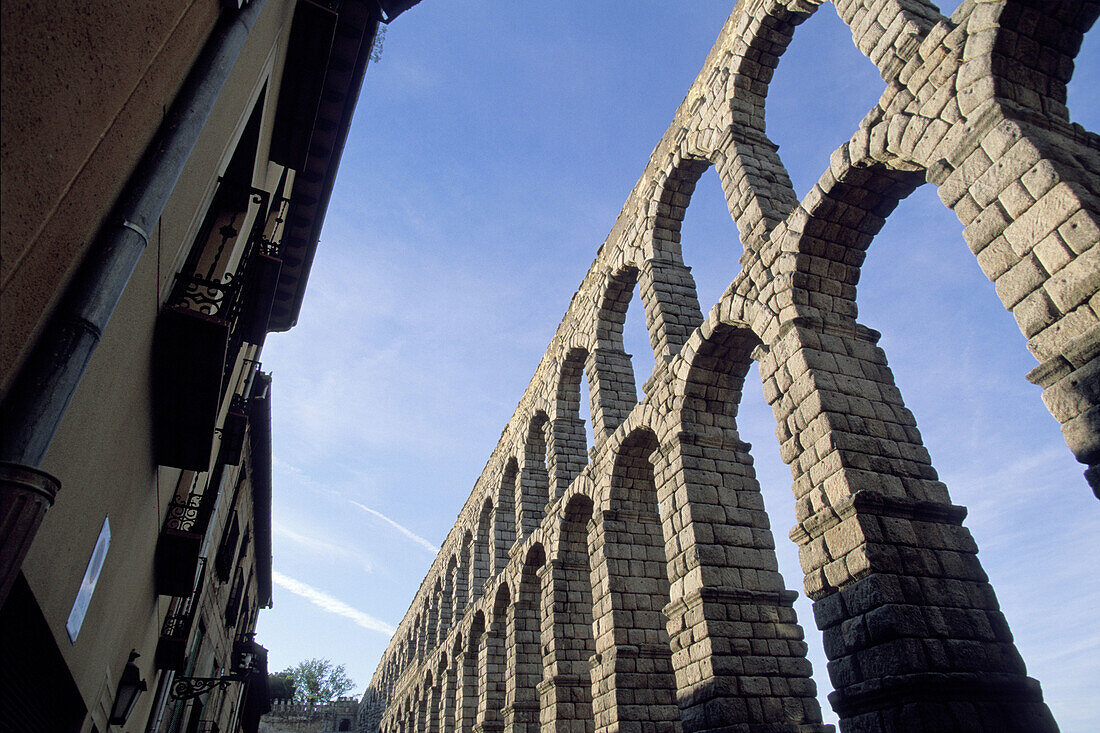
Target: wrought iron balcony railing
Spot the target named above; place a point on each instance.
(181, 536)
(212, 312)
(172, 646)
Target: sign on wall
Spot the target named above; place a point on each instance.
(87, 585)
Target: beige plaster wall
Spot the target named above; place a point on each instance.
(103, 452)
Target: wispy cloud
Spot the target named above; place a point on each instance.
(332, 605)
(403, 530)
(321, 546)
(302, 478)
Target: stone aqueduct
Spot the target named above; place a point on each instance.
(634, 586)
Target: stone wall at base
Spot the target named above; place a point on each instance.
(327, 717)
(633, 585)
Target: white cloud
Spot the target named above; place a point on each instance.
(403, 530)
(332, 605)
(320, 546)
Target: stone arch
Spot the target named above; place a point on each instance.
(722, 564)
(462, 577)
(568, 445)
(492, 662)
(459, 682)
(471, 669)
(442, 610)
(567, 633)
(630, 593)
(614, 394)
(447, 608)
(665, 284)
(429, 704)
(889, 48)
(483, 551)
(828, 235)
(1024, 183)
(716, 377)
(534, 480)
(757, 187)
(1001, 37)
(426, 632)
(504, 516)
(445, 677)
(524, 657)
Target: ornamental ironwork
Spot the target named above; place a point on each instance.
(217, 291)
(186, 688)
(185, 512)
(190, 513)
(249, 659)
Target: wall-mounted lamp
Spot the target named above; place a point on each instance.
(130, 687)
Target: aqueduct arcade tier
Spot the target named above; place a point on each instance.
(632, 585)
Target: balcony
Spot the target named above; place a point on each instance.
(180, 541)
(209, 316)
(171, 650)
(233, 429)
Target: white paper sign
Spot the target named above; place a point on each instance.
(87, 585)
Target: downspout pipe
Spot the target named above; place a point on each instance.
(39, 395)
(31, 411)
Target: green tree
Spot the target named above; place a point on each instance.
(318, 680)
(280, 686)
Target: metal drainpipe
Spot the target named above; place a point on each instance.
(31, 411)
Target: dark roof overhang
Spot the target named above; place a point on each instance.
(330, 46)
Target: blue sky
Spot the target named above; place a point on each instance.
(493, 146)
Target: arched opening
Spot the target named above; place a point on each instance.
(445, 674)
(672, 282)
(429, 705)
(571, 432)
(1081, 92)
(534, 482)
(462, 577)
(959, 366)
(482, 549)
(631, 578)
(636, 342)
(845, 86)
(709, 236)
(442, 611)
(420, 701)
(458, 667)
(471, 669)
(492, 663)
(524, 664)
(615, 391)
(730, 535)
(504, 516)
(569, 643)
(447, 614)
(425, 631)
(846, 217)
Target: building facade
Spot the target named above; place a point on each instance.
(632, 585)
(166, 169)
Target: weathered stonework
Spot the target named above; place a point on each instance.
(634, 586)
(334, 716)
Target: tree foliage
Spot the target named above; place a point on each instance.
(281, 686)
(318, 680)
